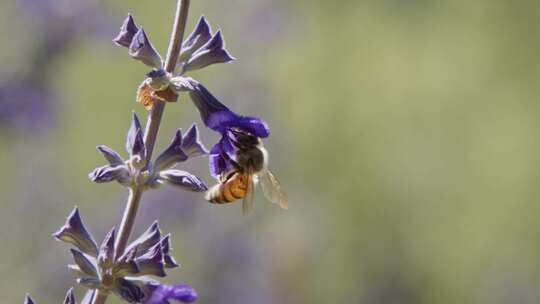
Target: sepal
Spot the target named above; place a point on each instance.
(70, 298)
(200, 35)
(110, 155)
(142, 49)
(127, 31)
(135, 143)
(84, 264)
(28, 299)
(108, 173)
(211, 52)
(106, 251)
(75, 233)
(172, 155)
(183, 180)
(151, 262)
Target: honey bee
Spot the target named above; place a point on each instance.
(250, 168)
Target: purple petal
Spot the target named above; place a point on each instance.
(200, 35)
(212, 52)
(142, 49)
(110, 155)
(218, 117)
(206, 103)
(75, 233)
(220, 157)
(253, 125)
(28, 299)
(106, 251)
(182, 179)
(191, 144)
(70, 298)
(127, 31)
(110, 173)
(84, 263)
(172, 155)
(161, 294)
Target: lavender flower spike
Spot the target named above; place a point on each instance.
(75, 233)
(142, 49)
(127, 31)
(212, 52)
(161, 294)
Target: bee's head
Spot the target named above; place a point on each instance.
(243, 140)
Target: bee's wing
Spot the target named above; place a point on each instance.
(247, 202)
(272, 189)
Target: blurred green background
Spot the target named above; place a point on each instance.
(406, 134)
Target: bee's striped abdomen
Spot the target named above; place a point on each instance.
(232, 189)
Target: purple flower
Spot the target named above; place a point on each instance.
(161, 294)
(219, 118)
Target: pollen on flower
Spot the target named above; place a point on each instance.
(147, 96)
(144, 96)
(167, 95)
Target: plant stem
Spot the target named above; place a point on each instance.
(175, 45)
(150, 136)
(128, 219)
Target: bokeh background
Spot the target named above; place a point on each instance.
(406, 134)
